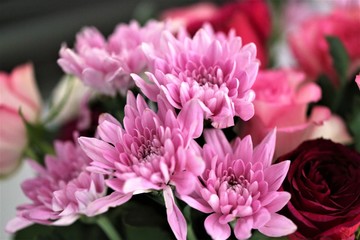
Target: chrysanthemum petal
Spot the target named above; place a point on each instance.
(217, 140)
(243, 227)
(175, 218)
(16, 224)
(275, 180)
(191, 119)
(264, 152)
(102, 205)
(215, 229)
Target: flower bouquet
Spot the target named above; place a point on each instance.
(231, 121)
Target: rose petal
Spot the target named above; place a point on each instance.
(278, 226)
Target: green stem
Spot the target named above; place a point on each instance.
(104, 223)
(190, 233)
(29, 153)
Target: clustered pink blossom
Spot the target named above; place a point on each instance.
(213, 68)
(61, 191)
(240, 187)
(151, 152)
(105, 65)
(208, 76)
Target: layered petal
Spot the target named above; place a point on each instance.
(215, 229)
(175, 218)
(150, 151)
(240, 184)
(212, 68)
(62, 191)
(106, 64)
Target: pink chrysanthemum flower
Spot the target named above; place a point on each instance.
(239, 187)
(105, 65)
(152, 152)
(214, 68)
(61, 191)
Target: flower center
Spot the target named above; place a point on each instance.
(149, 150)
(235, 183)
(206, 76)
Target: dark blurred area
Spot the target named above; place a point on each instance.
(33, 30)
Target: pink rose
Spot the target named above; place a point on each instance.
(282, 98)
(17, 91)
(311, 48)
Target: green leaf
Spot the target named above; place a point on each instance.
(144, 212)
(357, 234)
(354, 122)
(259, 236)
(77, 231)
(328, 91)
(39, 140)
(136, 233)
(340, 57)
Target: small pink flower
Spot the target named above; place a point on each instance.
(105, 65)
(152, 152)
(18, 91)
(215, 69)
(357, 80)
(282, 99)
(61, 191)
(240, 187)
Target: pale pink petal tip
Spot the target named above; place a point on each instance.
(17, 224)
(334, 129)
(278, 226)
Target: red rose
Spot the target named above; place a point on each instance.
(324, 181)
(250, 19)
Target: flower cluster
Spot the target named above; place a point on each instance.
(211, 67)
(106, 65)
(193, 121)
(61, 191)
